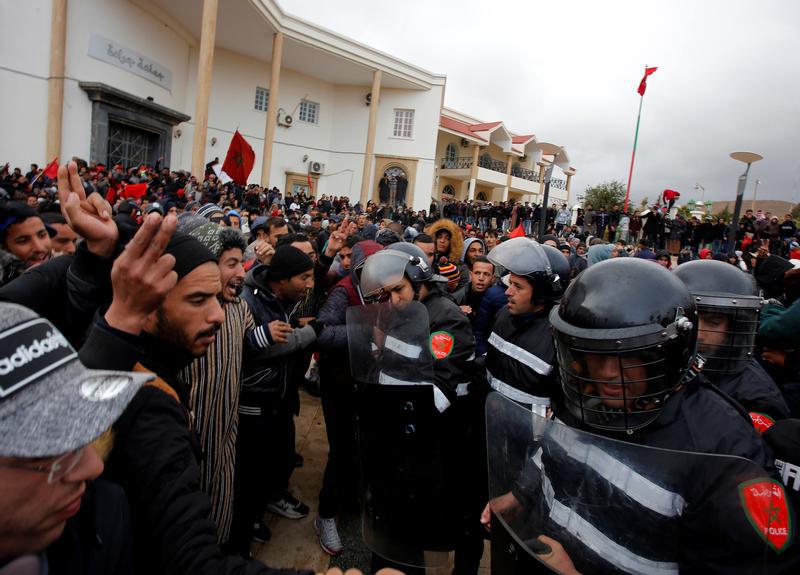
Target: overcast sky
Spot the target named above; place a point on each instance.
(728, 79)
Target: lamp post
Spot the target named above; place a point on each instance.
(755, 193)
(748, 158)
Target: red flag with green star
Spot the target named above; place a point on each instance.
(239, 160)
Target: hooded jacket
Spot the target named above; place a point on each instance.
(456, 237)
(264, 376)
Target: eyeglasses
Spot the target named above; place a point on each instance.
(55, 468)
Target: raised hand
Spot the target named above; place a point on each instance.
(89, 217)
(335, 243)
(141, 276)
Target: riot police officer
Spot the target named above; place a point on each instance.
(728, 306)
(521, 357)
(625, 337)
(401, 275)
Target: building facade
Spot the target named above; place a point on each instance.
(138, 81)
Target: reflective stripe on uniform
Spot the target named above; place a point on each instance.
(402, 348)
(597, 541)
(439, 398)
(538, 404)
(522, 355)
(462, 389)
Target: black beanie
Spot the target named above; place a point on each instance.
(189, 253)
(288, 262)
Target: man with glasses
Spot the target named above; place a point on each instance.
(51, 409)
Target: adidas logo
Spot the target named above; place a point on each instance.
(25, 354)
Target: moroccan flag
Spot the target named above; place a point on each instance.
(310, 185)
(51, 170)
(643, 83)
(518, 232)
(134, 191)
(239, 160)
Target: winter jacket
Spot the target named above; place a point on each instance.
(493, 301)
(754, 389)
(456, 237)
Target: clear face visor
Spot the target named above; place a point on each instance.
(618, 389)
(382, 270)
(726, 337)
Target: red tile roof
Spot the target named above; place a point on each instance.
(484, 127)
(460, 127)
(521, 139)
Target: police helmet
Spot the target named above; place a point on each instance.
(388, 267)
(728, 306)
(528, 258)
(625, 335)
(560, 266)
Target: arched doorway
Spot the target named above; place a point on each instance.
(393, 186)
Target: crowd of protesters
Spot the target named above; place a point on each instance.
(199, 309)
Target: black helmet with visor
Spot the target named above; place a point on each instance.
(387, 268)
(625, 335)
(728, 305)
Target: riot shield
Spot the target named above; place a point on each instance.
(406, 513)
(609, 506)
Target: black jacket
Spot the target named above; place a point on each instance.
(755, 390)
(265, 377)
(155, 460)
(521, 355)
(445, 318)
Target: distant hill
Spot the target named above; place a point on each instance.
(777, 207)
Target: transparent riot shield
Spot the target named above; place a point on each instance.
(564, 500)
(406, 513)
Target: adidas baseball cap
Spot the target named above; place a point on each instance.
(50, 403)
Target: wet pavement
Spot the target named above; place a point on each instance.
(293, 542)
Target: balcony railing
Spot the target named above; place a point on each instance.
(462, 163)
(525, 174)
(492, 164)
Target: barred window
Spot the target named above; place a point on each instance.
(403, 123)
(309, 112)
(262, 99)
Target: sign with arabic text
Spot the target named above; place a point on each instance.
(129, 60)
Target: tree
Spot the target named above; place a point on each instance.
(605, 195)
(724, 214)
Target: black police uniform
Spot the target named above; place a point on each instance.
(754, 389)
(521, 358)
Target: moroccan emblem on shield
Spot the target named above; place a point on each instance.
(764, 502)
(442, 344)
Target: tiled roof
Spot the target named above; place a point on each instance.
(521, 139)
(484, 127)
(460, 127)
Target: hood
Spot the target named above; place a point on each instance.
(256, 278)
(456, 237)
(769, 275)
(468, 242)
(599, 253)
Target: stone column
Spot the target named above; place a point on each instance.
(272, 107)
(508, 177)
(473, 174)
(542, 168)
(55, 80)
(369, 151)
(205, 62)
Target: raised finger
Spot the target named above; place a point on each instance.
(163, 266)
(75, 180)
(161, 239)
(143, 237)
(165, 284)
(100, 205)
(63, 185)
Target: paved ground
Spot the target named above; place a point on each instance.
(293, 542)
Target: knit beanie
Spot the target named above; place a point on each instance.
(451, 272)
(189, 253)
(207, 210)
(288, 262)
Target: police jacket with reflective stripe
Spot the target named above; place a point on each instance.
(697, 418)
(445, 316)
(521, 353)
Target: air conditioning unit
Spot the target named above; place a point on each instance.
(316, 168)
(368, 99)
(464, 143)
(284, 119)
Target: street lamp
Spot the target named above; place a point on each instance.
(755, 193)
(561, 159)
(748, 158)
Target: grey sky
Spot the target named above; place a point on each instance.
(728, 79)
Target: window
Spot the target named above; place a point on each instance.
(403, 123)
(449, 191)
(450, 156)
(262, 99)
(309, 112)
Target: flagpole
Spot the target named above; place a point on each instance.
(635, 142)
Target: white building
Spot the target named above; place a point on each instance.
(129, 81)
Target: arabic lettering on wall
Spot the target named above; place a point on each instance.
(116, 54)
